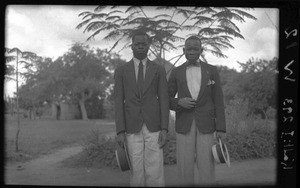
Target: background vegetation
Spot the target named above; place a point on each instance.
(83, 76)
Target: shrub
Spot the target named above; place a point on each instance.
(97, 153)
(257, 141)
(236, 113)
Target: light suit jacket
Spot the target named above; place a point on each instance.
(209, 112)
(152, 108)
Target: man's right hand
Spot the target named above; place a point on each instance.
(121, 139)
(187, 103)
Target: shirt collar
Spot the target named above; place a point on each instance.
(197, 64)
(137, 61)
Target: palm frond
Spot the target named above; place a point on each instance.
(99, 8)
(216, 53)
(128, 44)
(84, 13)
(202, 20)
(83, 23)
(226, 37)
(229, 31)
(207, 31)
(188, 27)
(94, 26)
(133, 15)
(165, 7)
(112, 35)
(114, 46)
(131, 9)
(229, 15)
(213, 47)
(219, 45)
(99, 16)
(211, 40)
(229, 24)
(221, 8)
(136, 20)
(244, 14)
(184, 12)
(110, 18)
(207, 10)
(87, 15)
(162, 15)
(166, 22)
(114, 11)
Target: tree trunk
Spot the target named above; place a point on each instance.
(83, 110)
(84, 97)
(18, 115)
(266, 117)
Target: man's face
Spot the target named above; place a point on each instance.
(192, 50)
(140, 47)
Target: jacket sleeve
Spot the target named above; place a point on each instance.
(163, 98)
(119, 100)
(172, 89)
(218, 102)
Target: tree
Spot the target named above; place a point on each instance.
(83, 73)
(258, 83)
(229, 82)
(24, 58)
(214, 25)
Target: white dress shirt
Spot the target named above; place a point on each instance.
(136, 66)
(193, 77)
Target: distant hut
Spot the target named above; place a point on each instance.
(65, 111)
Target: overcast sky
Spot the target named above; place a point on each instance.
(49, 31)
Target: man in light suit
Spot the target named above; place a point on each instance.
(200, 115)
(142, 112)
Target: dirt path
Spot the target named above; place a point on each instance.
(48, 171)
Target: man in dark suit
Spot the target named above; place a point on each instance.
(200, 114)
(142, 112)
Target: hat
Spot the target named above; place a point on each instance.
(122, 158)
(220, 153)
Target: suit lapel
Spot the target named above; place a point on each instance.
(183, 77)
(150, 72)
(130, 74)
(204, 79)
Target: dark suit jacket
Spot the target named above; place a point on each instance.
(152, 108)
(209, 112)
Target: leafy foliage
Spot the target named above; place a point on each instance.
(257, 83)
(259, 142)
(215, 26)
(76, 76)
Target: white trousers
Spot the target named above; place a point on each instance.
(195, 147)
(146, 159)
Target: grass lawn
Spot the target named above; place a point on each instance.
(43, 136)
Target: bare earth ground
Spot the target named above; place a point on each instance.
(47, 170)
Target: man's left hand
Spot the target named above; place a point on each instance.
(219, 134)
(162, 137)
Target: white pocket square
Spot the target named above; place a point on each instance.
(211, 82)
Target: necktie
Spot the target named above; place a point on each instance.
(140, 80)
